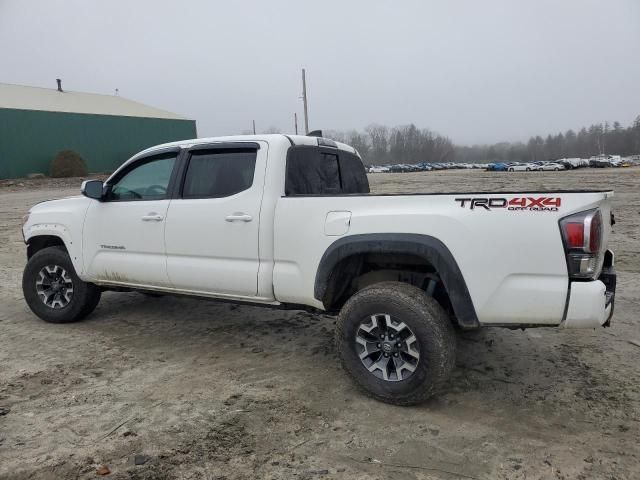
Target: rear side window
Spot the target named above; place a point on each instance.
(324, 171)
(328, 171)
(216, 173)
(353, 175)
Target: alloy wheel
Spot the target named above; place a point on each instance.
(54, 286)
(387, 347)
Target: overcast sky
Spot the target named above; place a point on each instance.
(476, 71)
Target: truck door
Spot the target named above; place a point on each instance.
(213, 225)
(123, 240)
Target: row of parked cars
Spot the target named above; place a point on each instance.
(424, 167)
(528, 167)
(600, 161)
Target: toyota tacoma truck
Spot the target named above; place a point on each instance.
(288, 221)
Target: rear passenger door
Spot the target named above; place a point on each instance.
(212, 226)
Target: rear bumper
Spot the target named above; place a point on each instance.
(591, 303)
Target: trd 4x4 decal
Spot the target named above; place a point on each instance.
(533, 204)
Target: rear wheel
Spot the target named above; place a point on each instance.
(511, 169)
(396, 342)
(52, 289)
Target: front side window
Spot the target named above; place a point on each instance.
(216, 173)
(147, 181)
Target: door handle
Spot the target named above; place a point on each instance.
(239, 217)
(152, 217)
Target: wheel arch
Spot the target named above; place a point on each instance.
(49, 235)
(39, 242)
(415, 246)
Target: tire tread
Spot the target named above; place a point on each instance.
(86, 296)
(425, 307)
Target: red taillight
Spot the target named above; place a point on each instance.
(595, 233)
(574, 234)
(582, 234)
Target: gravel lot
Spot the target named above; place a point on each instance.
(199, 390)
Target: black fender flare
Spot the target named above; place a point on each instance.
(424, 246)
(38, 242)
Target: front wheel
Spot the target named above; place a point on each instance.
(52, 289)
(396, 342)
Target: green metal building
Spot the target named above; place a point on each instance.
(37, 123)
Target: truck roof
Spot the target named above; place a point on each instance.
(293, 139)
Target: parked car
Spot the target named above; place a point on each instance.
(599, 163)
(403, 168)
(616, 162)
(552, 166)
(424, 167)
(288, 221)
(522, 167)
(497, 167)
(571, 163)
(603, 161)
(626, 162)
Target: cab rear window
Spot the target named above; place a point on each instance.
(324, 171)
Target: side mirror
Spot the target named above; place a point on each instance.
(92, 189)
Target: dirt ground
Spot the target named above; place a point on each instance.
(195, 389)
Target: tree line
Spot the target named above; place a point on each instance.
(379, 144)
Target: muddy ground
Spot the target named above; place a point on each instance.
(201, 390)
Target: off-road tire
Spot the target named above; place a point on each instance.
(427, 320)
(85, 295)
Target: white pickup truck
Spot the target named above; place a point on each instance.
(289, 221)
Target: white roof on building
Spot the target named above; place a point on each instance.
(21, 97)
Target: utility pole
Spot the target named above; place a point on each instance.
(254, 127)
(304, 101)
(295, 121)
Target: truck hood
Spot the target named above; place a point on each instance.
(61, 205)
